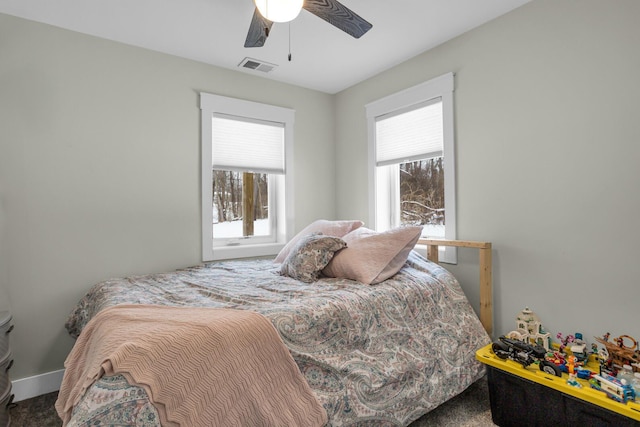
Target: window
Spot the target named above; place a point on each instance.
(411, 160)
(246, 159)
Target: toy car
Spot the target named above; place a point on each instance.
(560, 360)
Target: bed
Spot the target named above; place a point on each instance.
(382, 354)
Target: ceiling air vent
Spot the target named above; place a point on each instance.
(255, 64)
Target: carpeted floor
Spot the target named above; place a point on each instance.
(469, 409)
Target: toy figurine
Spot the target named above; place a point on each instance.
(573, 382)
(571, 364)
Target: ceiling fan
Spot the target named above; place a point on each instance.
(331, 11)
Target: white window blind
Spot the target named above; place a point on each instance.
(242, 144)
(413, 133)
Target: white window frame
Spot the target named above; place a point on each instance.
(439, 87)
(281, 190)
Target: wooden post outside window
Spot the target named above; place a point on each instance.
(247, 204)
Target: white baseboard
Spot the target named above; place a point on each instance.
(29, 387)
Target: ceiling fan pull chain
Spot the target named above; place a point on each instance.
(289, 41)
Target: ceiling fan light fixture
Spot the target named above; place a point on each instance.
(279, 10)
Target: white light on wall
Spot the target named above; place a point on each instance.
(279, 10)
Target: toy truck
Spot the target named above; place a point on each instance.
(524, 353)
(613, 387)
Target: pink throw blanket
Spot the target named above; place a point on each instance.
(199, 366)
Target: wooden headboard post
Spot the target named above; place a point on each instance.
(486, 295)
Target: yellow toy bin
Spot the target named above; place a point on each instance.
(526, 396)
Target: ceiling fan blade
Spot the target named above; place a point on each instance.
(258, 30)
(339, 16)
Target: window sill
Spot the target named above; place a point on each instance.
(245, 251)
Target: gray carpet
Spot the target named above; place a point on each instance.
(469, 409)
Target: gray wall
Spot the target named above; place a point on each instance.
(99, 164)
(100, 170)
(547, 138)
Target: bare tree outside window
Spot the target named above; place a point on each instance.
(238, 205)
(422, 192)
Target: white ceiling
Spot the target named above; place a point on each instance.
(323, 57)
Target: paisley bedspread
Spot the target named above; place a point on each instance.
(378, 355)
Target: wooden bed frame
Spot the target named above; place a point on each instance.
(486, 295)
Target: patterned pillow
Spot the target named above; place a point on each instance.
(329, 228)
(309, 256)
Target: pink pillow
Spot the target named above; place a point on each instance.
(327, 228)
(371, 257)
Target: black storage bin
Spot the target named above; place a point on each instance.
(518, 402)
